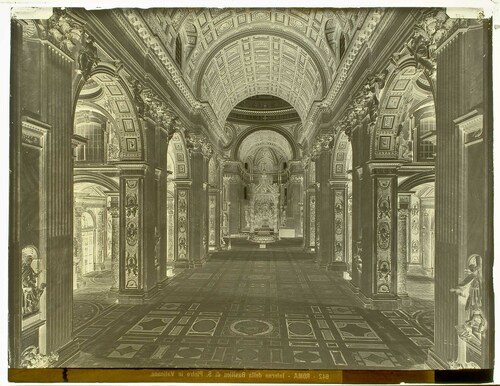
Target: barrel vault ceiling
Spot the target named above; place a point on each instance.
(232, 54)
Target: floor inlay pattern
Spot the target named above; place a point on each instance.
(254, 310)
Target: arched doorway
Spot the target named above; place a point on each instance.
(106, 131)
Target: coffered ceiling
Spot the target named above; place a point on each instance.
(232, 54)
(265, 144)
(261, 64)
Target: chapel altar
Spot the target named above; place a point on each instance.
(264, 211)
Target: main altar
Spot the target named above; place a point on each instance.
(264, 211)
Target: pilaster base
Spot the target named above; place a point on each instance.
(339, 266)
(138, 297)
(198, 263)
(163, 283)
(378, 303)
(435, 362)
(353, 288)
(405, 300)
(181, 264)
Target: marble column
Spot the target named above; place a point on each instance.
(305, 211)
(100, 245)
(114, 210)
(45, 92)
(310, 219)
(170, 232)
(357, 229)
(379, 242)
(463, 203)
(137, 233)
(182, 193)
(294, 206)
(213, 229)
(198, 225)
(77, 247)
(403, 228)
(324, 213)
(427, 236)
(234, 197)
(338, 257)
(414, 242)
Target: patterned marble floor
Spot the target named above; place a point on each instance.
(254, 309)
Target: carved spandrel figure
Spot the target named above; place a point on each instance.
(87, 58)
(139, 100)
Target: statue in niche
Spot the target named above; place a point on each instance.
(87, 58)
(113, 145)
(404, 143)
(471, 287)
(283, 216)
(31, 291)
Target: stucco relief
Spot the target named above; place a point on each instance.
(132, 263)
(182, 224)
(384, 274)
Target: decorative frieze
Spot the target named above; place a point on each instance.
(132, 261)
(296, 179)
(339, 205)
(182, 224)
(312, 220)
(402, 250)
(384, 230)
(415, 231)
(211, 220)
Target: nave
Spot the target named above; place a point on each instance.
(163, 159)
(247, 308)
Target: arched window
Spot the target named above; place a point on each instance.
(427, 138)
(88, 236)
(178, 51)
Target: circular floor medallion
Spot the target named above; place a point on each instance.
(204, 325)
(251, 327)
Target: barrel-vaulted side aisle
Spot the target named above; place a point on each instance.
(250, 308)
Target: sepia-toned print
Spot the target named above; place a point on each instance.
(267, 189)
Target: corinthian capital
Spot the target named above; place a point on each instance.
(433, 28)
(199, 143)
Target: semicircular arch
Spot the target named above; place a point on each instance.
(177, 146)
(341, 152)
(96, 178)
(416, 180)
(285, 33)
(399, 97)
(117, 100)
(277, 129)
